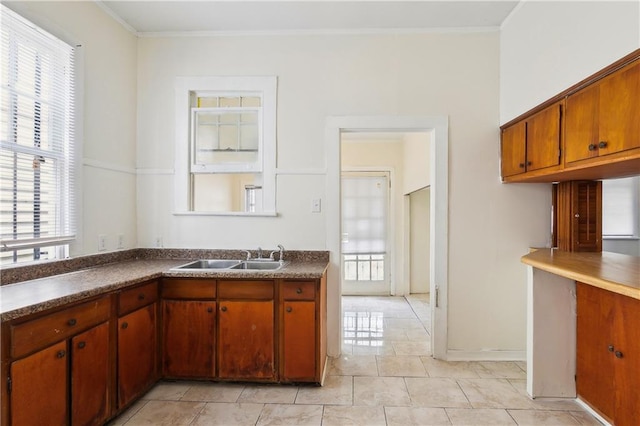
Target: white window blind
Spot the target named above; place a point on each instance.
(620, 205)
(364, 214)
(36, 137)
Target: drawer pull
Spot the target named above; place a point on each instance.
(72, 322)
(299, 290)
(141, 296)
(289, 309)
(602, 144)
(223, 309)
(610, 348)
(61, 354)
(521, 165)
(81, 345)
(592, 147)
(125, 325)
(619, 354)
(209, 309)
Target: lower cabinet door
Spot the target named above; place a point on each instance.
(299, 337)
(39, 387)
(188, 338)
(246, 340)
(627, 361)
(90, 376)
(137, 353)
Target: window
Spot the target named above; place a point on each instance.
(36, 137)
(228, 133)
(620, 207)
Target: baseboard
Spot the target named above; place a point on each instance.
(489, 355)
(593, 412)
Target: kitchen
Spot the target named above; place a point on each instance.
(478, 79)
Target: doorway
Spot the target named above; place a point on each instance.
(419, 237)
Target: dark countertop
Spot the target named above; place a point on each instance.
(37, 295)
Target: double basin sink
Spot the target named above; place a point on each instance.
(209, 264)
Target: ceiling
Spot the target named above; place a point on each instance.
(238, 16)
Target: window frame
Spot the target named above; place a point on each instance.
(64, 152)
(185, 87)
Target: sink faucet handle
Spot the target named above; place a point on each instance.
(259, 252)
(248, 254)
(281, 252)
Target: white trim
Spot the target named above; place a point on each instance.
(243, 214)
(285, 171)
(489, 355)
(315, 32)
(150, 171)
(106, 9)
(439, 172)
(97, 164)
(515, 10)
(591, 411)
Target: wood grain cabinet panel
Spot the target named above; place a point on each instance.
(579, 216)
(188, 348)
(299, 341)
(39, 387)
(137, 353)
(608, 353)
(514, 149)
(246, 340)
(602, 118)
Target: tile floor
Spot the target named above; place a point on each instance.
(385, 376)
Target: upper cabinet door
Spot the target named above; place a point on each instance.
(543, 138)
(514, 149)
(604, 118)
(620, 110)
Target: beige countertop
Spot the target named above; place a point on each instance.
(610, 271)
(28, 297)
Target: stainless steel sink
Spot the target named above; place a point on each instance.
(208, 264)
(258, 265)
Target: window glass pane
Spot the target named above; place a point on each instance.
(251, 101)
(620, 199)
(230, 118)
(208, 101)
(225, 192)
(229, 102)
(249, 137)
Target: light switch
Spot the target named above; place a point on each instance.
(315, 205)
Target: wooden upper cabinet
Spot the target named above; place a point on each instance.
(533, 143)
(543, 138)
(514, 149)
(579, 216)
(603, 118)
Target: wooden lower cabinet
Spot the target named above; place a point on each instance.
(246, 349)
(299, 341)
(608, 353)
(188, 348)
(39, 387)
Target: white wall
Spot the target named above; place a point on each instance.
(416, 161)
(490, 225)
(108, 66)
(548, 46)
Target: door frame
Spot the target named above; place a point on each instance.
(439, 241)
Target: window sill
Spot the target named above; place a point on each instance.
(619, 238)
(237, 214)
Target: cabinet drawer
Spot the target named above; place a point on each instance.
(38, 333)
(299, 290)
(188, 289)
(135, 298)
(256, 290)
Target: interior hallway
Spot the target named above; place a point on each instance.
(385, 376)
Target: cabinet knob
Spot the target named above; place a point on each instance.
(61, 354)
(125, 325)
(81, 345)
(223, 309)
(141, 296)
(610, 347)
(602, 144)
(289, 309)
(528, 163)
(592, 147)
(72, 322)
(521, 165)
(299, 291)
(619, 354)
(209, 309)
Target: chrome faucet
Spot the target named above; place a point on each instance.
(259, 252)
(281, 249)
(248, 254)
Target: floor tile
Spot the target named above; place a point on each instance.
(337, 390)
(353, 416)
(169, 413)
(353, 365)
(560, 404)
(543, 418)
(128, 413)
(480, 416)
(493, 393)
(295, 415)
(451, 369)
(403, 323)
(388, 391)
(269, 394)
(168, 391)
(226, 414)
(400, 366)
(499, 370)
(436, 392)
(585, 418)
(213, 392)
(404, 416)
(412, 348)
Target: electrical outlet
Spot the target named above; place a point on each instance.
(158, 241)
(120, 241)
(102, 242)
